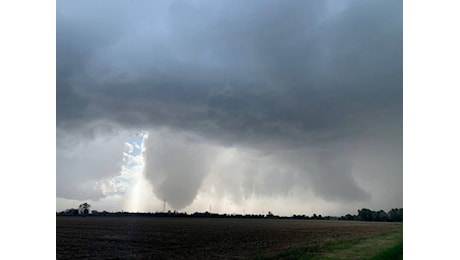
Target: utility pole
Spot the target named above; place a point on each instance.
(164, 205)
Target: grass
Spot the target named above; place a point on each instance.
(394, 252)
(386, 245)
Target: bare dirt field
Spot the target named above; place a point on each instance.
(199, 238)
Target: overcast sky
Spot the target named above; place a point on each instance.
(238, 106)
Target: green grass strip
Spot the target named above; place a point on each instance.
(394, 252)
(386, 245)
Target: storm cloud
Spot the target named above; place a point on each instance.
(308, 94)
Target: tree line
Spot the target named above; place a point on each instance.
(393, 215)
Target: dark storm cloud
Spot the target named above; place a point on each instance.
(262, 74)
(233, 66)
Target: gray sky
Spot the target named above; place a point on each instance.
(293, 107)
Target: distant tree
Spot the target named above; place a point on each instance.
(382, 216)
(395, 214)
(70, 212)
(349, 217)
(83, 209)
(365, 214)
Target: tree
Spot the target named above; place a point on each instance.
(83, 209)
(396, 214)
(382, 216)
(270, 215)
(349, 217)
(366, 215)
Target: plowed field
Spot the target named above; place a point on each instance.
(198, 238)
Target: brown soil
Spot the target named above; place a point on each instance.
(197, 238)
